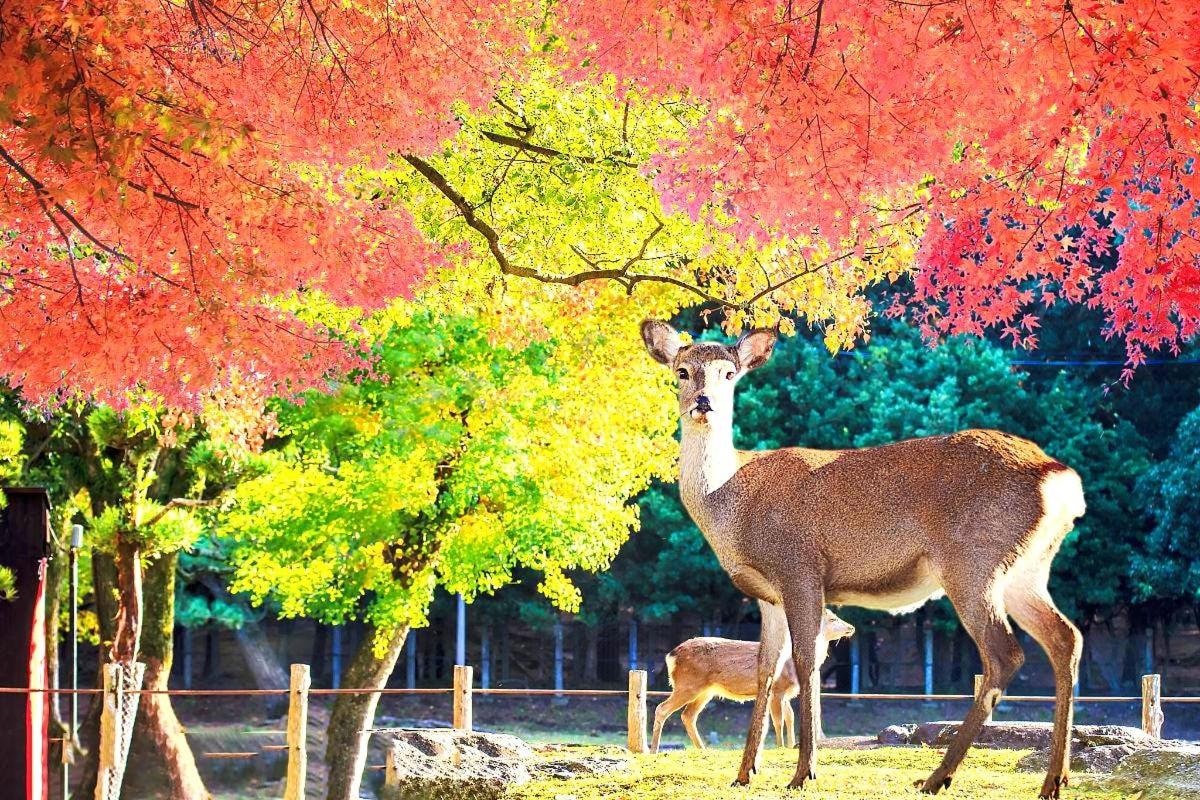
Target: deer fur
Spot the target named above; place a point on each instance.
(978, 515)
(707, 666)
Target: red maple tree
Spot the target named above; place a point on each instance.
(1057, 141)
(167, 168)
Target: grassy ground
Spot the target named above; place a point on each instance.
(884, 773)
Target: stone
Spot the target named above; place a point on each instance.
(1099, 759)
(461, 765)
(1152, 769)
(1029, 735)
(575, 767)
(1170, 772)
(897, 734)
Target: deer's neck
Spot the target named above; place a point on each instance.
(707, 460)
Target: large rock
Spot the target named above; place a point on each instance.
(1164, 773)
(1027, 735)
(897, 734)
(1159, 769)
(456, 765)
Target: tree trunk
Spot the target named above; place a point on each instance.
(56, 570)
(104, 583)
(155, 710)
(353, 714)
(256, 650)
(129, 599)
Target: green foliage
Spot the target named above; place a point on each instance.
(8, 584)
(1170, 567)
(462, 458)
(12, 455)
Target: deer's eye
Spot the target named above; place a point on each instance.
(729, 375)
(682, 373)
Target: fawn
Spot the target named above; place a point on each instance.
(706, 667)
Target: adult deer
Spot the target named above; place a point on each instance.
(977, 515)
(707, 666)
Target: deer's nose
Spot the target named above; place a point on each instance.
(703, 404)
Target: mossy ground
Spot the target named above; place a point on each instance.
(885, 773)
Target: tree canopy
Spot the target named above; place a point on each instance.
(188, 171)
(465, 457)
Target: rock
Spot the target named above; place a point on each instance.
(1153, 769)
(1029, 735)
(459, 765)
(1099, 759)
(897, 734)
(1162, 773)
(575, 767)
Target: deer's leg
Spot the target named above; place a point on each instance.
(817, 703)
(690, 713)
(789, 721)
(663, 712)
(770, 653)
(983, 615)
(776, 709)
(804, 609)
(1031, 606)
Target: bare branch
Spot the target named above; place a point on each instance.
(530, 147)
(178, 502)
(621, 275)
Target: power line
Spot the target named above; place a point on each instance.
(1101, 362)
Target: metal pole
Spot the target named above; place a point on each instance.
(460, 649)
(411, 664)
(928, 658)
(337, 656)
(485, 658)
(633, 643)
(558, 655)
(69, 739)
(855, 665)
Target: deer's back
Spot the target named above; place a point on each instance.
(878, 517)
(722, 667)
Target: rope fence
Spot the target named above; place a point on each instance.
(117, 694)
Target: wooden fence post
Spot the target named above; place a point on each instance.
(1152, 713)
(978, 692)
(463, 677)
(122, 680)
(297, 732)
(637, 711)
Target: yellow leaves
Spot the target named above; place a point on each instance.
(559, 590)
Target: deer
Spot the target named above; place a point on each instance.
(976, 516)
(705, 667)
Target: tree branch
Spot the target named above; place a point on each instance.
(178, 502)
(530, 147)
(622, 275)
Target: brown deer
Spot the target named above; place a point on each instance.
(977, 515)
(707, 666)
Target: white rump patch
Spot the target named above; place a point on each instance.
(1062, 504)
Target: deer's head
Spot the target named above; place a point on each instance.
(707, 371)
(834, 627)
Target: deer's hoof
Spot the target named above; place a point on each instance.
(934, 785)
(800, 778)
(741, 780)
(1051, 789)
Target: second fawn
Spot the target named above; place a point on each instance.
(707, 667)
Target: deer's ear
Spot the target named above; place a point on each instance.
(661, 340)
(755, 347)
